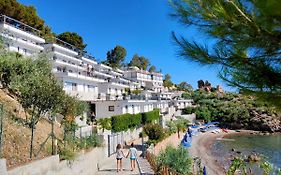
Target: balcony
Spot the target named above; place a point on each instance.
(84, 96)
(67, 64)
(89, 59)
(21, 29)
(77, 76)
(62, 48)
(63, 56)
(27, 44)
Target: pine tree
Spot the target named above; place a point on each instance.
(245, 38)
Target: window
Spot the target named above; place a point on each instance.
(74, 86)
(91, 88)
(111, 108)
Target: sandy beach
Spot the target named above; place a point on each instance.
(201, 147)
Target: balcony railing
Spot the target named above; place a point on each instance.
(19, 25)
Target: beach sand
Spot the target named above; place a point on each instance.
(201, 147)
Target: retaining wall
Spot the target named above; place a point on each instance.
(84, 164)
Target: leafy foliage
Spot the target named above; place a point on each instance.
(25, 14)
(116, 56)
(188, 110)
(174, 161)
(184, 86)
(124, 122)
(232, 110)
(36, 88)
(151, 116)
(246, 167)
(140, 62)
(155, 132)
(152, 69)
(167, 82)
(244, 39)
(73, 38)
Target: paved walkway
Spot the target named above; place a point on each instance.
(108, 166)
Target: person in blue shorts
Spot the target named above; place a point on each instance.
(133, 156)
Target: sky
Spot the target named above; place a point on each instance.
(143, 27)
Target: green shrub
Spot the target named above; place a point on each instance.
(151, 116)
(155, 132)
(177, 160)
(135, 121)
(130, 121)
(105, 123)
(120, 122)
(67, 154)
(188, 110)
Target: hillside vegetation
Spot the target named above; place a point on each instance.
(235, 111)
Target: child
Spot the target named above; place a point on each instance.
(133, 156)
(119, 156)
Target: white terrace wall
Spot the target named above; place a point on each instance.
(84, 164)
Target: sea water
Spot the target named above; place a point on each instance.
(267, 145)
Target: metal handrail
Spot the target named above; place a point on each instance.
(31, 30)
(20, 25)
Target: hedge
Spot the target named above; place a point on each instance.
(129, 121)
(151, 116)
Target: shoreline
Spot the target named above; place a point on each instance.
(201, 147)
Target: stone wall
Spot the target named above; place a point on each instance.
(84, 164)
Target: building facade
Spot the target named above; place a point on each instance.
(108, 91)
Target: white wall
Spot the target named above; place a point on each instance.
(84, 164)
(102, 109)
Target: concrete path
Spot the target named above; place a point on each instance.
(108, 167)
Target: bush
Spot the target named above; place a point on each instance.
(188, 110)
(177, 161)
(151, 116)
(135, 121)
(120, 122)
(90, 142)
(130, 121)
(67, 154)
(155, 132)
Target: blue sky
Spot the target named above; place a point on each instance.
(141, 26)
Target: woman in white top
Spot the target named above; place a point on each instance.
(119, 156)
(133, 156)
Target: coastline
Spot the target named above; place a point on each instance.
(201, 147)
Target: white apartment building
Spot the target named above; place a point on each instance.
(19, 37)
(104, 88)
(148, 80)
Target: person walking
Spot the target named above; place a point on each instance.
(119, 156)
(133, 156)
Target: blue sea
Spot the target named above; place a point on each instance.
(268, 146)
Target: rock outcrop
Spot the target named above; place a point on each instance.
(265, 122)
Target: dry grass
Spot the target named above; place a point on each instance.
(17, 135)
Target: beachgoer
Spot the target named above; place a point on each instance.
(204, 171)
(133, 156)
(119, 156)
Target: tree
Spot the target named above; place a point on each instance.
(181, 125)
(152, 69)
(73, 38)
(116, 56)
(244, 40)
(184, 86)
(38, 92)
(167, 82)
(140, 62)
(24, 14)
